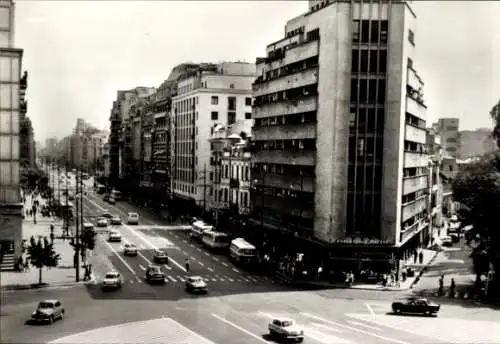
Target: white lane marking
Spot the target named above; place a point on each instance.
(171, 278)
(138, 280)
(387, 339)
(184, 253)
(140, 236)
(210, 269)
(222, 279)
(197, 249)
(231, 280)
(167, 267)
(138, 253)
(184, 241)
(201, 263)
(225, 264)
(193, 258)
(216, 259)
(253, 335)
(206, 254)
(214, 279)
(235, 270)
(142, 267)
(369, 309)
(120, 258)
(192, 246)
(355, 323)
(131, 281)
(181, 278)
(327, 327)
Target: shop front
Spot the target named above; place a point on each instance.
(11, 235)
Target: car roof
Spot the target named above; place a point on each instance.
(112, 272)
(153, 266)
(133, 214)
(194, 277)
(283, 319)
(49, 301)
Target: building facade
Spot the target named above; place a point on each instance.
(339, 136)
(450, 135)
(12, 105)
(207, 95)
(27, 141)
(474, 143)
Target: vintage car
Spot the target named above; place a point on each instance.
(415, 305)
(160, 256)
(115, 220)
(196, 284)
(285, 329)
(114, 236)
(102, 222)
(155, 275)
(112, 280)
(48, 311)
(130, 250)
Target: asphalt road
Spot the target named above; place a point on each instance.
(236, 310)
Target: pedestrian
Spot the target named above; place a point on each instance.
(415, 256)
(421, 257)
(187, 265)
(452, 288)
(441, 285)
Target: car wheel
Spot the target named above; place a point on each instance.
(428, 313)
(397, 310)
(300, 340)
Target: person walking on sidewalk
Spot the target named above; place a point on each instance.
(452, 288)
(186, 264)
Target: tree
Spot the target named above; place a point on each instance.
(87, 241)
(477, 189)
(40, 254)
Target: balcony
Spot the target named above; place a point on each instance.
(286, 132)
(413, 208)
(301, 158)
(410, 232)
(297, 183)
(412, 184)
(289, 107)
(23, 106)
(415, 134)
(299, 79)
(415, 108)
(297, 53)
(412, 159)
(23, 83)
(413, 80)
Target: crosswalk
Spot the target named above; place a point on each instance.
(172, 278)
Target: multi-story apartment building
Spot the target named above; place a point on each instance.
(230, 164)
(105, 160)
(339, 152)
(207, 94)
(450, 136)
(474, 143)
(433, 144)
(12, 104)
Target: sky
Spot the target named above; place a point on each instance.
(79, 53)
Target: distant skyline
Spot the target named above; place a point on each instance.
(80, 53)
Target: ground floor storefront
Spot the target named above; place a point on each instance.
(11, 231)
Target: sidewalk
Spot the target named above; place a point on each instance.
(62, 275)
(420, 269)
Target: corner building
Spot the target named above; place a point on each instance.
(340, 164)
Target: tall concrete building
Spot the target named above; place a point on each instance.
(340, 159)
(12, 90)
(206, 95)
(450, 136)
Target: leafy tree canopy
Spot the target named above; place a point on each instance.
(41, 254)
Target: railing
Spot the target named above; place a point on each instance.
(413, 208)
(286, 132)
(412, 159)
(303, 78)
(415, 134)
(288, 107)
(415, 108)
(411, 185)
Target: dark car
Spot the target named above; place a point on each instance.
(155, 275)
(48, 311)
(106, 198)
(415, 306)
(160, 256)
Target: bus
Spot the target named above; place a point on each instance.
(198, 228)
(117, 195)
(215, 240)
(241, 251)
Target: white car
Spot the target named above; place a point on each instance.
(287, 329)
(102, 222)
(114, 236)
(133, 219)
(115, 220)
(130, 250)
(112, 279)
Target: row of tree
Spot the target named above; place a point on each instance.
(477, 189)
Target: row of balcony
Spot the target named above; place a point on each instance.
(286, 132)
(286, 107)
(299, 79)
(415, 134)
(302, 158)
(413, 159)
(413, 184)
(412, 208)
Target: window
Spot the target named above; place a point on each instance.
(215, 115)
(363, 90)
(365, 31)
(354, 90)
(248, 101)
(355, 61)
(231, 85)
(374, 32)
(248, 115)
(5, 95)
(231, 118)
(215, 100)
(364, 61)
(231, 103)
(5, 68)
(381, 92)
(384, 31)
(411, 37)
(382, 61)
(355, 30)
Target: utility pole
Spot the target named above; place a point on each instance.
(77, 236)
(66, 212)
(81, 206)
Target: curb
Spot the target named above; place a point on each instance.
(424, 269)
(45, 285)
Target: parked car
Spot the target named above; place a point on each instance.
(106, 214)
(102, 222)
(115, 220)
(48, 311)
(196, 284)
(287, 329)
(114, 236)
(130, 250)
(155, 275)
(447, 241)
(112, 280)
(111, 200)
(160, 256)
(133, 219)
(415, 306)
(106, 198)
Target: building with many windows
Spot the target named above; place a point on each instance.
(339, 136)
(207, 95)
(450, 135)
(12, 105)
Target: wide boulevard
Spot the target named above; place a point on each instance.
(236, 310)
